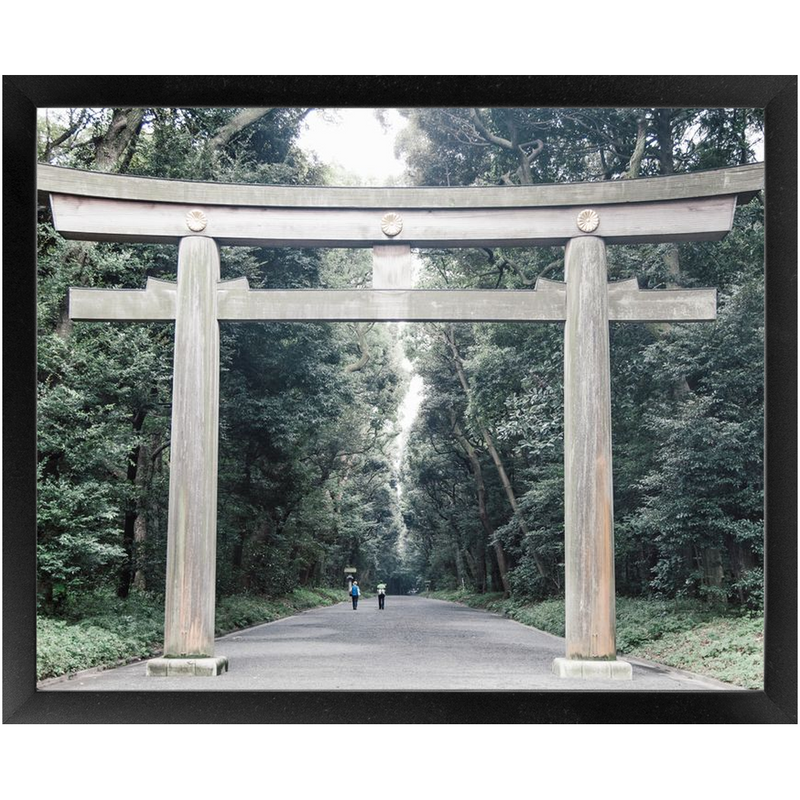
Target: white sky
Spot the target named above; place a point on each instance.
(354, 139)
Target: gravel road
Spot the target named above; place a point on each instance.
(415, 644)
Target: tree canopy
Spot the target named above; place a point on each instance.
(307, 417)
(485, 467)
(309, 412)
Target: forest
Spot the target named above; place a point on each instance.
(312, 475)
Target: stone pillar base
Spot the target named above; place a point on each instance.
(602, 670)
(190, 667)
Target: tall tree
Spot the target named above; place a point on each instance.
(515, 379)
(307, 410)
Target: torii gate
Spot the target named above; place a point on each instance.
(200, 217)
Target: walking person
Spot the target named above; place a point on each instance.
(381, 595)
(355, 592)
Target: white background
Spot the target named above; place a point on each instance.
(285, 762)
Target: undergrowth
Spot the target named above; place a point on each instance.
(685, 634)
(101, 630)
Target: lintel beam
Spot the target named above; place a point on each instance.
(156, 303)
(87, 218)
(743, 181)
(236, 302)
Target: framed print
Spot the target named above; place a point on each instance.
(454, 500)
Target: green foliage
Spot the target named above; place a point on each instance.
(102, 393)
(307, 479)
(703, 492)
(687, 400)
(687, 634)
(462, 146)
(100, 629)
(306, 444)
(241, 611)
(640, 621)
(63, 648)
(728, 649)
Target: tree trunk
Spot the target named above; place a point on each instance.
(635, 165)
(251, 568)
(663, 127)
(75, 125)
(741, 560)
(501, 471)
(147, 465)
(247, 116)
(136, 467)
(480, 565)
(469, 562)
(124, 127)
(44, 590)
(713, 573)
(361, 331)
(139, 538)
(237, 558)
(458, 557)
(480, 489)
(307, 574)
(672, 259)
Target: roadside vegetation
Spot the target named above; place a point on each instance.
(311, 477)
(101, 630)
(686, 634)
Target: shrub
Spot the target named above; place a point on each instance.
(687, 634)
(100, 629)
(729, 649)
(63, 648)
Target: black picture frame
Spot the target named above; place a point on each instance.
(777, 703)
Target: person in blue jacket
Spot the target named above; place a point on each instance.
(355, 592)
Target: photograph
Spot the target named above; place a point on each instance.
(403, 410)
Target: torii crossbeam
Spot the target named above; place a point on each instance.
(582, 217)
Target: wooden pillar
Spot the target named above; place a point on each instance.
(192, 526)
(392, 267)
(588, 508)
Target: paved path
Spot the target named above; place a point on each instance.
(414, 644)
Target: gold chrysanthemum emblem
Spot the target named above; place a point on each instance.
(196, 220)
(588, 220)
(391, 223)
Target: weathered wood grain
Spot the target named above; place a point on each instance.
(192, 520)
(121, 208)
(387, 305)
(155, 303)
(626, 303)
(742, 181)
(588, 492)
(136, 221)
(392, 267)
(661, 305)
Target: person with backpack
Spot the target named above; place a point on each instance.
(355, 592)
(381, 595)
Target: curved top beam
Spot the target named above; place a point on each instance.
(742, 181)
